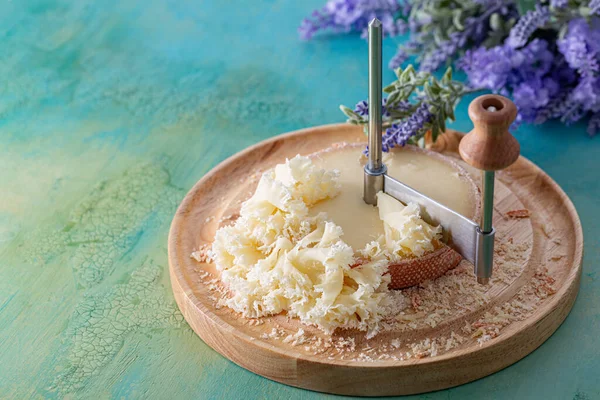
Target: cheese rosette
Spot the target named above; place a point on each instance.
(406, 234)
(276, 257)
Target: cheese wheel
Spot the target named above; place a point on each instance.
(408, 272)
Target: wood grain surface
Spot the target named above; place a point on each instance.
(522, 186)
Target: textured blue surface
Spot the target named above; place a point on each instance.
(109, 112)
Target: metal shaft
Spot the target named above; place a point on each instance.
(375, 87)
(374, 170)
(484, 254)
(488, 201)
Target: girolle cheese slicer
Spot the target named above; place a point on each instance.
(488, 147)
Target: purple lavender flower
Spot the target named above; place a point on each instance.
(594, 7)
(594, 125)
(581, 46)
(402, 54)
(475, 32)
(533, 93)
(488, 68)
(533, 73)
(587, 94)
(445, 51)
(502, 66)
(547, 77)
(529, 96)
(527, 24)
(319, 20)
(362, 108)
(559, 3)
(581, 49)
(399, 134)
(556, 108)
(353, 16)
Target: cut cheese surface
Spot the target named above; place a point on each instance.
(361, 222)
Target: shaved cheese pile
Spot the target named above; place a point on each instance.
(277, 258)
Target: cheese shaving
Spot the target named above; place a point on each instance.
(406, 234)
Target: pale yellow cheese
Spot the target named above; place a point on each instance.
(426, 173)
(406, 234)
(276, 257)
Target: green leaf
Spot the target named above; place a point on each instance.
(398, 72)
(442, 121)
(447, 76)
(435, 88)
(457, 19)
(405, 76)
(585, 11)
(495, 22)
(350, 113)
(428, 91)
(525, 5)
(389, 88)
(393, 99)
(450, 111)
(563, 31)
(438, 38)
(435, 132)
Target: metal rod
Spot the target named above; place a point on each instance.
(488, 201)
(374, 170)
(375, 89)
(484, 257)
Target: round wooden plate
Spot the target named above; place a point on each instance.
(539, 254)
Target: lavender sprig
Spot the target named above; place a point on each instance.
(414, 125)
(580, 47)
(441, 30)
(532, 73)
(547, 79)
(353, 16)
(594, 125)
(559, 3)
(543, 53)
(527, 24)
(594, 7)
(417, 102)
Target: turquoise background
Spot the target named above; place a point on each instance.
(110, 111)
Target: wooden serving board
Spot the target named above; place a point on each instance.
(452, 330)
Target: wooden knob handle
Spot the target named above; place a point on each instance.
(489, 146)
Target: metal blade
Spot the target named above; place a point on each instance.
(460, 233)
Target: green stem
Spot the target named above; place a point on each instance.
(470, 91)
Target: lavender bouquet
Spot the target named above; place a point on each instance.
(417, 103)
(544, 54)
